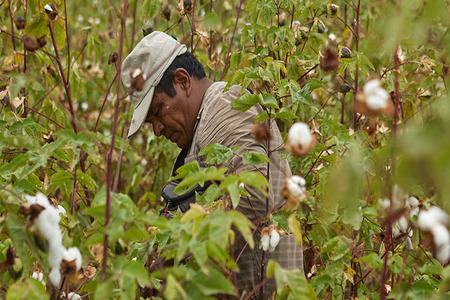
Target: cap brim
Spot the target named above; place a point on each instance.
(140, 113)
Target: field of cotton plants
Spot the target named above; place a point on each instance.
(359, 90)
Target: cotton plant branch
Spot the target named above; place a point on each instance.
(227, 60)
(109, 162)
(358, 11)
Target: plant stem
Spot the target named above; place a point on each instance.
(67, 40)
(12, 26)
(109, 168)
(63, 78)
(396, 92)
(355, 120)
(227, 61)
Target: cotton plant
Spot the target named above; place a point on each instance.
(408, 207)
(293, 191)
(270, 237)
(374, 99)
(300, 139)
(45, 218)
(434, 221)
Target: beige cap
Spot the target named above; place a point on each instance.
(153, 55)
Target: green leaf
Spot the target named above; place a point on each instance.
(216, 153)
(86, 180)
(285, 113)
(214, 283)
(136, 271)
(254, 159)
(245, 102)
(290, 282)
(104, 290)
(212, 21)
(243, 225)
(60, 33)
(173, 290)
(28, 289)
(303, 96)
(37, 28)
(268, 100)
(231, 184)
(255, 180)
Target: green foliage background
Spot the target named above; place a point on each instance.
(274, 47)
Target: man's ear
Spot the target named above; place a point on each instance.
(182, 78)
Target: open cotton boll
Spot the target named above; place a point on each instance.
(61, 210)
(413, 205)
(274, 239)
(73, 254)
(48, 223)
(296, 185)
(73, 296)
(371, 86)
(438, 215)
(426, 221)
(375, 102)
(265, 240)
(443, 254)
(39, 276)
(40, 199)
(55, 276)
(441, 236)
(299, 134)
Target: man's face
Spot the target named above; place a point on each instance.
(170, 117)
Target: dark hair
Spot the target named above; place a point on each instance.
(186, 61)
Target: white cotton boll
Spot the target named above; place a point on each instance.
(48, 7)
(40, 199)
(274, 240)
(296, 186)
(441, 236)
(62, 210)
(48, 223)
(72, 254)
(332, 36)
(426, 221)
(403, 224)
(371, 86)
(299, 134)
(38, 276)
(438, 215)
(265, 240)
(395, 230)
(413, 205)
(73, 296)
(55, 255)
(375, 102)
(409, 244)
(384, 204)
(55, 277)
(443, 254)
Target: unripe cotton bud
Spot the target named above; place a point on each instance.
(20, 22)
(51, 11)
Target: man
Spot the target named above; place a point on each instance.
(192, 111)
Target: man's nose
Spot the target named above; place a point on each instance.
(157, 127)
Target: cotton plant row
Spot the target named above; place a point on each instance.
(44, 218)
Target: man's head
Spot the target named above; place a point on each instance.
(172, 92)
